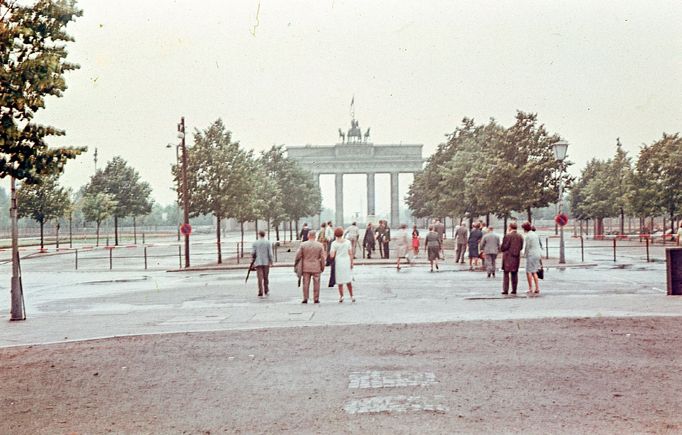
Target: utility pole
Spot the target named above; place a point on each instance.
(18, 311)
(185, 196)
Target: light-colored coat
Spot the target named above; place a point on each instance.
(532, 244)
(490, 244)
(312, 254)
(262, 249)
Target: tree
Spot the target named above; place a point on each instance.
(123, 183)
(97, 207)
(32, 67)
(219, 175)
(43, 202)
(620, 178)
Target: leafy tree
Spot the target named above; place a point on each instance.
(620, 178)
(97, 207)
(43, 202)
(123, 183)
(219, 174)
(658, 177)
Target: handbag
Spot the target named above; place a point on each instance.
(541, 272)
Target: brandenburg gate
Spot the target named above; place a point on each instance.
(354, 154)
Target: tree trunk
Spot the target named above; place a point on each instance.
(217, 233)
(134, 231)
(487, 219)
(298, 233)
(672, 222)
(504, 230)
(97, 232)
(291, 230)
(277, 232)
(70, 230)
(651, 225)
(241, 225)
(41, 235)
(56, 236)
(471, 222)
(622, 221)
(268, 225)
(256, 229)
(530, 214)
(116, 230)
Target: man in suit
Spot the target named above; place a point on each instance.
(261, 251)
(512, 244)
(461, 239)
(439, 228)
(311, 255)
(490, 245)
(304, 232)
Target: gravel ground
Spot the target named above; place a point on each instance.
(602, 375)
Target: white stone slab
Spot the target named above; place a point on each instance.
(395, 404)
(389, 379)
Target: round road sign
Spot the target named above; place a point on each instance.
(186, 229)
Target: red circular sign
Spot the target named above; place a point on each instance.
(186, 229)
(561, 219)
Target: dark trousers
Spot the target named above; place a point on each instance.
(262, 272)
(385, 245)
(514, 281)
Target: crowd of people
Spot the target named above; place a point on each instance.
(337, 248)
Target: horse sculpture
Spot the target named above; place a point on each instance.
(342, 135)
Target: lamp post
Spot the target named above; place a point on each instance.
(185, 198)
(560, 149)
(177, 164)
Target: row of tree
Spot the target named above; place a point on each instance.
(489, 169)
(652, 186)
(116, 191)
(226, 181)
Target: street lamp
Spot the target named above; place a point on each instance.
(560, 149)
(177, 165)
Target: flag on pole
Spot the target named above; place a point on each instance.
(352, 107)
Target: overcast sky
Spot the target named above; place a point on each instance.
(284, 72)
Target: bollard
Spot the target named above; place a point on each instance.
(614, 249)
(111, 258)
(76, 259)
(145, 257)
(582, 249)
(647, 249)
(180, 255)
(547, 248)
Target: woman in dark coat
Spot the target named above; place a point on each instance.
(368, 241)
(474, 239)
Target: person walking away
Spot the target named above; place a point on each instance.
(341, 253)
(439, 227)
(329, 234)
(474, 239)
(512, 244)
(490, 245)
(368, 240)
(321, 235)
(533, 251)
(379, 233)
(461, 238)
(304, 233)
(432, 246)
(311, 254)
(415, 241)
(387, 238)
(401, 244)
(261, 252)
(353, 234)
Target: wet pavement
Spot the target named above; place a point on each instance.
(63, 304)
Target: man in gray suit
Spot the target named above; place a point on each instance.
(490, 245)
(311, 256)
(261, 252)
(461, 238)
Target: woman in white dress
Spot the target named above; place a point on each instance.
(533, 257)
(341, 252)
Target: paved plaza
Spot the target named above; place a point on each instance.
(199, 352)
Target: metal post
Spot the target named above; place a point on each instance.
(582, 249)
(614, 249)
(647, 249)
(18, 311)
(76, 259)
(145, 258)
(237, 252)
(546, 248)
(143, 238)
(180, 255)
(111, 258)
(185, 195)
(562, 254)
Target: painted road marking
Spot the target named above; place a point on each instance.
(395, 404)
(389, 379)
